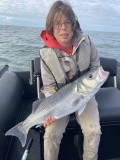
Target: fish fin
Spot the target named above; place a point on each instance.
(21, 134)
(81, 110)
(38, 125)
(77, 101)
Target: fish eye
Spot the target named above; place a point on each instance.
(90, 76)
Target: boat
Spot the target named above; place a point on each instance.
(20, 89)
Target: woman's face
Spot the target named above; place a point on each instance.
(62, 30)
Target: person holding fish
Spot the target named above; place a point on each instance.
(71, 75)
(68, 54)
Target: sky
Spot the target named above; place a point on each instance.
(93, 15)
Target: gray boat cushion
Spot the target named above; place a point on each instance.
(109, 105)
(11, 92)
(109, 64)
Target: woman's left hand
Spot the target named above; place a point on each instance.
(48, 121)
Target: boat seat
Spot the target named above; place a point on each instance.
(109, 64)
(109, 105)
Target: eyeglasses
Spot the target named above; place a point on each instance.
(58, 24)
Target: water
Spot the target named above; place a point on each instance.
(18, 45)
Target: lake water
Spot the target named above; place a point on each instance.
(18, 45)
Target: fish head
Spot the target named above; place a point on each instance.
(92, 79)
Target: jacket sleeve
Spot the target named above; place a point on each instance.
(49, 84)
(94, 58)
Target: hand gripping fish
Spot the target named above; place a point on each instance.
(70, 98)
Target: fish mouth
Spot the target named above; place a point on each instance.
(102, 72)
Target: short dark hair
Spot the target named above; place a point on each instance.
(60, 8)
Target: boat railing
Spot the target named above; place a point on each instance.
(3, 70)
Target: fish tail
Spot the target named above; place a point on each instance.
(19, 132)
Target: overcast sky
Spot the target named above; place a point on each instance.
(101, 15)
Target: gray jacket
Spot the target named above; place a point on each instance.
(57, 66)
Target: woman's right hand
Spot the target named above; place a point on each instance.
(48, 121)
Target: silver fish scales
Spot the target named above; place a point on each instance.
(69, 99)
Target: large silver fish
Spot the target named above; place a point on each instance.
(71, 98)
